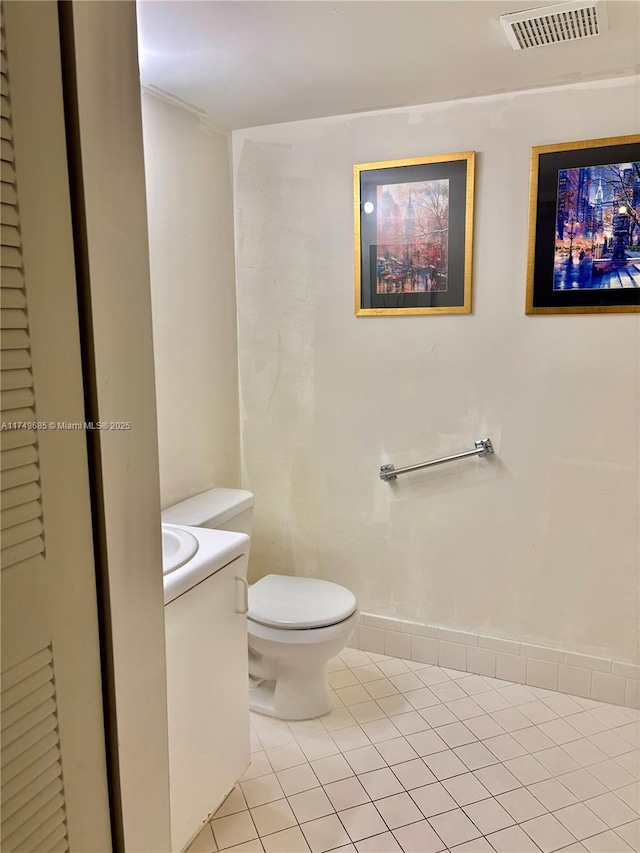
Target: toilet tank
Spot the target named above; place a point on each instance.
(217, 509)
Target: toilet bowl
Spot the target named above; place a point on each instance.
(295, 625)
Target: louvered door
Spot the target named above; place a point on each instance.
(54, 792)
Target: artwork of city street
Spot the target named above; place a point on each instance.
(597, 234)
(412, 237)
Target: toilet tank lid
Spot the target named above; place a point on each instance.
(283, 601)
(210, 508)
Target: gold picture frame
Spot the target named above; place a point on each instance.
(584, 227)
(413, 228)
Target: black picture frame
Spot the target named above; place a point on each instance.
(584, 227)
(414, 235)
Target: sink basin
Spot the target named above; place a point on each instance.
(178, 547)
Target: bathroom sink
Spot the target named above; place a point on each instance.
(178, 547)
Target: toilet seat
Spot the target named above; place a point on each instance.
(294, 603)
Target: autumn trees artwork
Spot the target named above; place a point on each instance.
(413, 228)
(412, 237)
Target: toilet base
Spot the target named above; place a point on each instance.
(291, 699)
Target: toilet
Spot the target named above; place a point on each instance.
(295, 625)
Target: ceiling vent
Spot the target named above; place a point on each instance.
(576, 19)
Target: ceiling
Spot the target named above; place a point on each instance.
(254, 62)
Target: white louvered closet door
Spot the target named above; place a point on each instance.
(54, 786)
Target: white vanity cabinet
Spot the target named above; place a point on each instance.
(207, 680)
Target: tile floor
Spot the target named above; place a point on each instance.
(421, 759)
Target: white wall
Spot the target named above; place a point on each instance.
(539, 543)
(188, 175)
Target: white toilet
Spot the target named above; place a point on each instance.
(294, 624)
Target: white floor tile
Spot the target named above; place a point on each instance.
(324, 834)
(504, 747)
(264, 789)
(456, 734)
(331, 769)
(393, 705)
(631, 834)
(364, 712)
(560, 731)
(527, 769)
(444, 765)
(252, 846)
(484, 727)
(347, 793)
(364, 759)
(475, 755)
(413, 774)
(310, 805)
(478, 845)
(433, 799)
(396, 751)
(272, 817)
(362, 821)
(438, 715)
(582, 784)
(380, 730)
(497, 779)
(352, 695)
(521, 804)
(488, 816)
(464, 709)
(286, 756)
(398, 810)
(454, 827)
(610, 743)
(419, 838)
(548, 833)
(277, 735)
(317, 747)
(552, 794)
(410, 723)
(368, 672)
(606, 842)
(380, 783)
(466, 789)
(630, 794)
(580, 821)
(340, 718)
(584, 752)
(612, 810)
(287, 841)
(611, 774)
(557, 761)
(380, 689)
(297, 779)
(427, 742)
(233, 830)
(532, 739)
(384, 843)
(352, 737)
(512, 840)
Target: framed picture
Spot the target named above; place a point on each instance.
(584, 227)
(414, 235)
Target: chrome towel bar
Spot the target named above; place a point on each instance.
(483, 447)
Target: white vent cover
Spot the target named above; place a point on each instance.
(576, 19)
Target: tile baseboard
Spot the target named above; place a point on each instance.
(574, 673)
